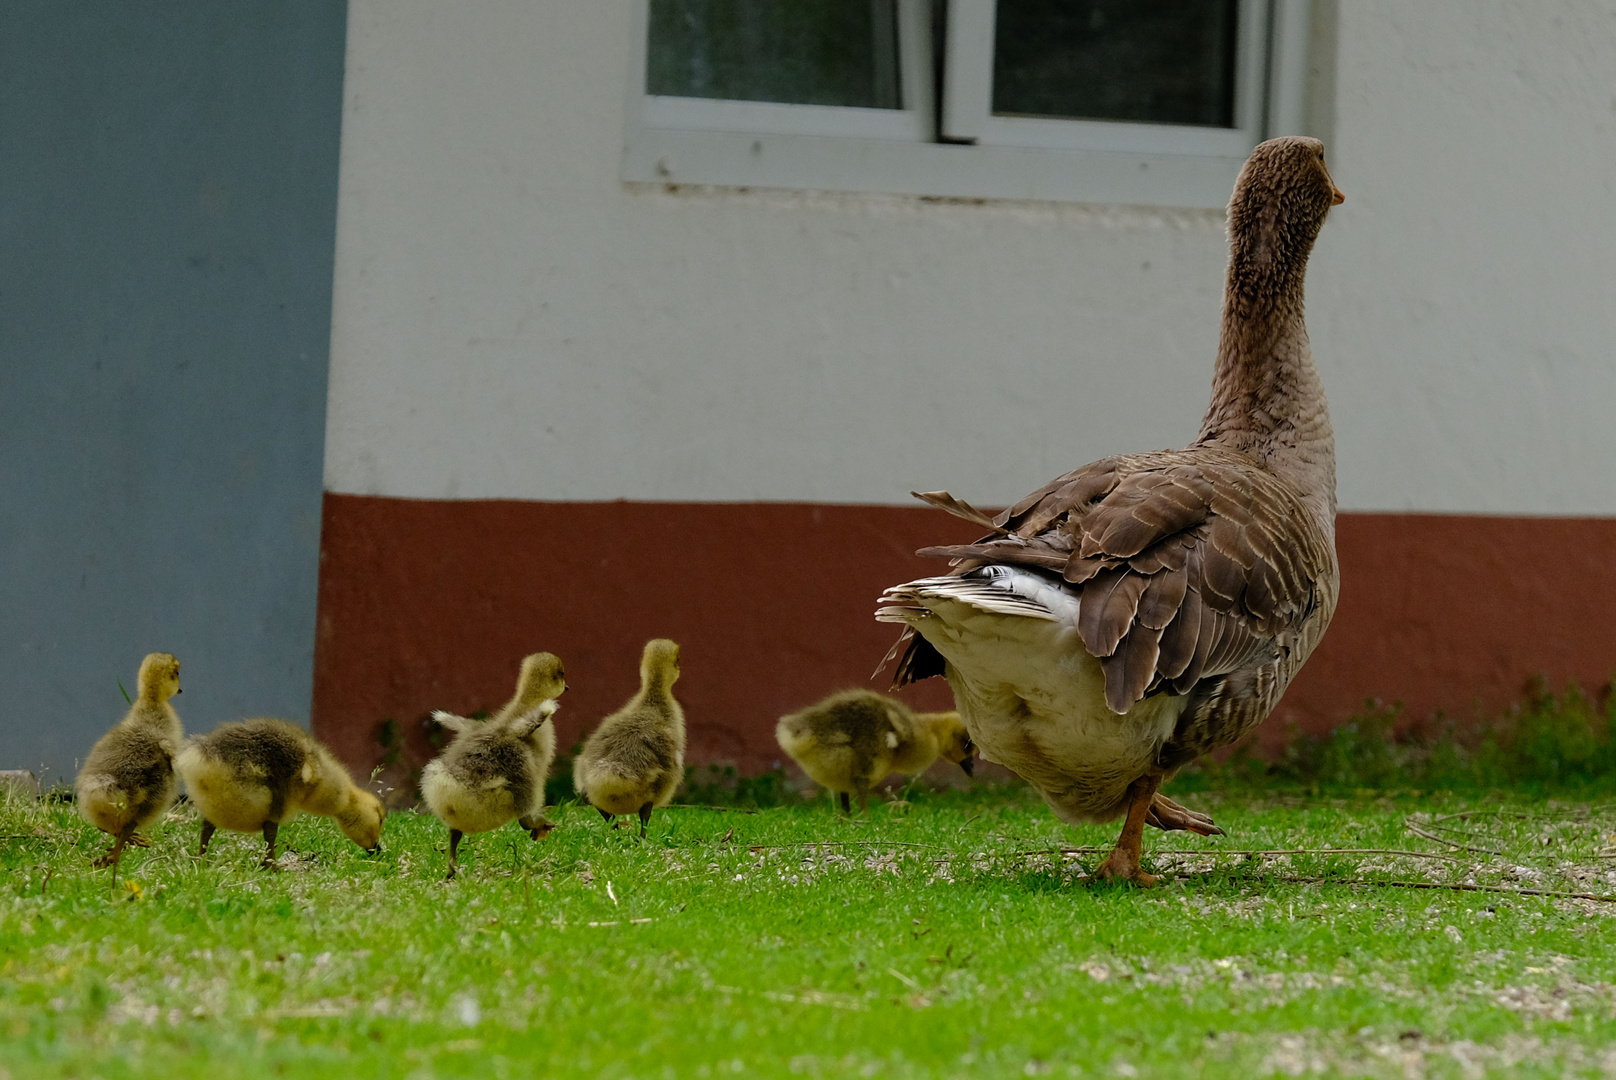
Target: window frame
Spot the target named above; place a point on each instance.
(913, 121)
(968, 97)
(705, 142)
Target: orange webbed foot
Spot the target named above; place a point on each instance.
(1119, 866)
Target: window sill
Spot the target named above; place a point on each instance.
(842, 163)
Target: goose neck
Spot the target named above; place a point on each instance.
(1267, 400)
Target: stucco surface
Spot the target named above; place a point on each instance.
(512, 320)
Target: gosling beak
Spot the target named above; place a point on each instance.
(969, 765)
(376, 850)
(179, 690)
(1338, 198)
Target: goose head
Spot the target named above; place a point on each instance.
(1280, 201)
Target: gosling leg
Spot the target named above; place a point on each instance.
(645, 819)
(454, 852)
(115, 852)
(271, 828)
(847, 805)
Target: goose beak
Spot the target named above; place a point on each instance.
(1337, 198)
(969, 766)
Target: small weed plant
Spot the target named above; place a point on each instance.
(1547, 744)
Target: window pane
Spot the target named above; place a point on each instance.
(806, 52)
(1169, 61)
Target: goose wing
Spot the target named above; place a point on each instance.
(1186, 564)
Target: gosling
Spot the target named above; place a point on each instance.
(255, 775)
(128, 779)
(495, 769)
(634, 760)
(851, 741)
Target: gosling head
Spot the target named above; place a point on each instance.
(542, 679)
(956, 745)
(1280, 202)
(659, 663)
(362, 823)
(159, 677)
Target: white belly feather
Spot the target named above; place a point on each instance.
(1031, 696)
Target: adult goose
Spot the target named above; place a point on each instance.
(1130, 616)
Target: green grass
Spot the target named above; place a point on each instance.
(923, 942)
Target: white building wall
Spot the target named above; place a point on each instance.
(512, 320)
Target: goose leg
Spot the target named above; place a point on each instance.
(645, 819)
(454, 852)
(1168, 815)
(207, 836)
(271, 828)
(1123, 862)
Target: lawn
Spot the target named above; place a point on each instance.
(945, 936)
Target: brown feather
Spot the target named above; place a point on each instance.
(1177, 645)
(1160, 601)
(1132, 668)
(1109, 604)
(1011, 554)
(1222, 579)
(958, 507)
(1078, 569)
(1204, 636)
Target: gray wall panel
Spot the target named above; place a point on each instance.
(168, 179)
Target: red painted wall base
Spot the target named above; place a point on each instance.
(431, 604)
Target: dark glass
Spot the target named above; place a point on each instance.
(805, 52)
(1162, 61)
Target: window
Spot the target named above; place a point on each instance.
(1123, 101)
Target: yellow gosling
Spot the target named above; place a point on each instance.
(494, 770)
(852, 741)
(128, 779)
(259, 774)
(633, 762)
